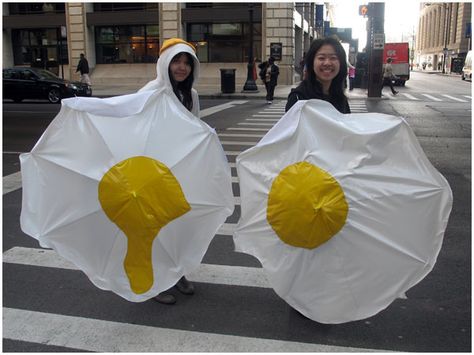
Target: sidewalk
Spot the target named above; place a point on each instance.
(214, 92)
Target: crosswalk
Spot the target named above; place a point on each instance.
(430, 97)
(43, 321)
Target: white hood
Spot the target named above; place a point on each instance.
(162, 76)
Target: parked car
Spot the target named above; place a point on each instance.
(33, 83)
(466, 73)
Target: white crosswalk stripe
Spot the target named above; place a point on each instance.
(108, 336)
(454, 98)
(411, 97)
(357, 106)
(432, 97)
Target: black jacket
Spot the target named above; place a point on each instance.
(83, 66)
(274, 72)
(306, 91)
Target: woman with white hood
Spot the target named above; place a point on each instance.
(177, 70)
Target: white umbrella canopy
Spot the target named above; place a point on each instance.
(344, 212)
(131, 189)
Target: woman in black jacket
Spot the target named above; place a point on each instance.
(326, 72)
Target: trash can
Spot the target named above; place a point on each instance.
(228, 81)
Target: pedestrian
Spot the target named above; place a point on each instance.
(271, 77)
(326, 72)
(83, 68)
(352, 73)
(388, 76)
(177, 70)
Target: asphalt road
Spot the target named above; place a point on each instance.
(56, 308)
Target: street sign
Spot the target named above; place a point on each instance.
(378, 40)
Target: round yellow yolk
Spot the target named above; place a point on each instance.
(306, 206)
(141, 195)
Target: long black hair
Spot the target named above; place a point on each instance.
(336, 90)
(182, 89)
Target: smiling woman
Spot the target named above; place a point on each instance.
(326, 68)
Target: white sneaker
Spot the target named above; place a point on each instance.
(269, 102)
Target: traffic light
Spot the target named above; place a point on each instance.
(363, 10)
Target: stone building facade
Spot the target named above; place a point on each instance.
(443, 36)
(121, 40)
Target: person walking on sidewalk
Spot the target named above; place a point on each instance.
(271, 77)
(177, 70)
(388, 76)
(326, 73)
(83, 68)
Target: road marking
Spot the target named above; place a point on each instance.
(227, 229)
(214, 109)
(10, 152)
(107, 336)
(232, 152)
(247, 144)
(247, 129)
(241, 135)
(208, 273)
(262, 119)
(411, 97)
(454, 98)
(267, 115)
(11, 182)
(467, 96)
(256, 124)
(431, 97)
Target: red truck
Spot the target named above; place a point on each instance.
(400, 54)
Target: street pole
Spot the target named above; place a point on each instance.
(446, 34)
(250, 85)
(375, 44)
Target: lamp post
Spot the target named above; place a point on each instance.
(250, 85)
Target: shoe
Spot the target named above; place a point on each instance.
(269, 102)
(165, 298)
(184, 286)
(396, 92)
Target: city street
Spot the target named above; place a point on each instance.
(50, 306)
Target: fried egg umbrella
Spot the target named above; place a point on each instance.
(344, 212)
(131, 189)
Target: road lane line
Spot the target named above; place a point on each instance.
(247, 129)
(262, 124)
(108, 336)
(207, 273)
(454, 98)
(263, 119)
(411, 97)
(214, 109)
(247, 144)
(431, 97)
(241, 135)
(11, 182)
(467, 96)
(267, 115)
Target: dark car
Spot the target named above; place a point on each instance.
(34, 83)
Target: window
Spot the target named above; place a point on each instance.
(26, 8)
(127, 44)
(124, 6)
(224, 42)
(43, 48)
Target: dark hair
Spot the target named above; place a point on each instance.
(271, 60)
(184, 88)
(336, 90)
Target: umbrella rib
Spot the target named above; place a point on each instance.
(64, 167)
(59, 226)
